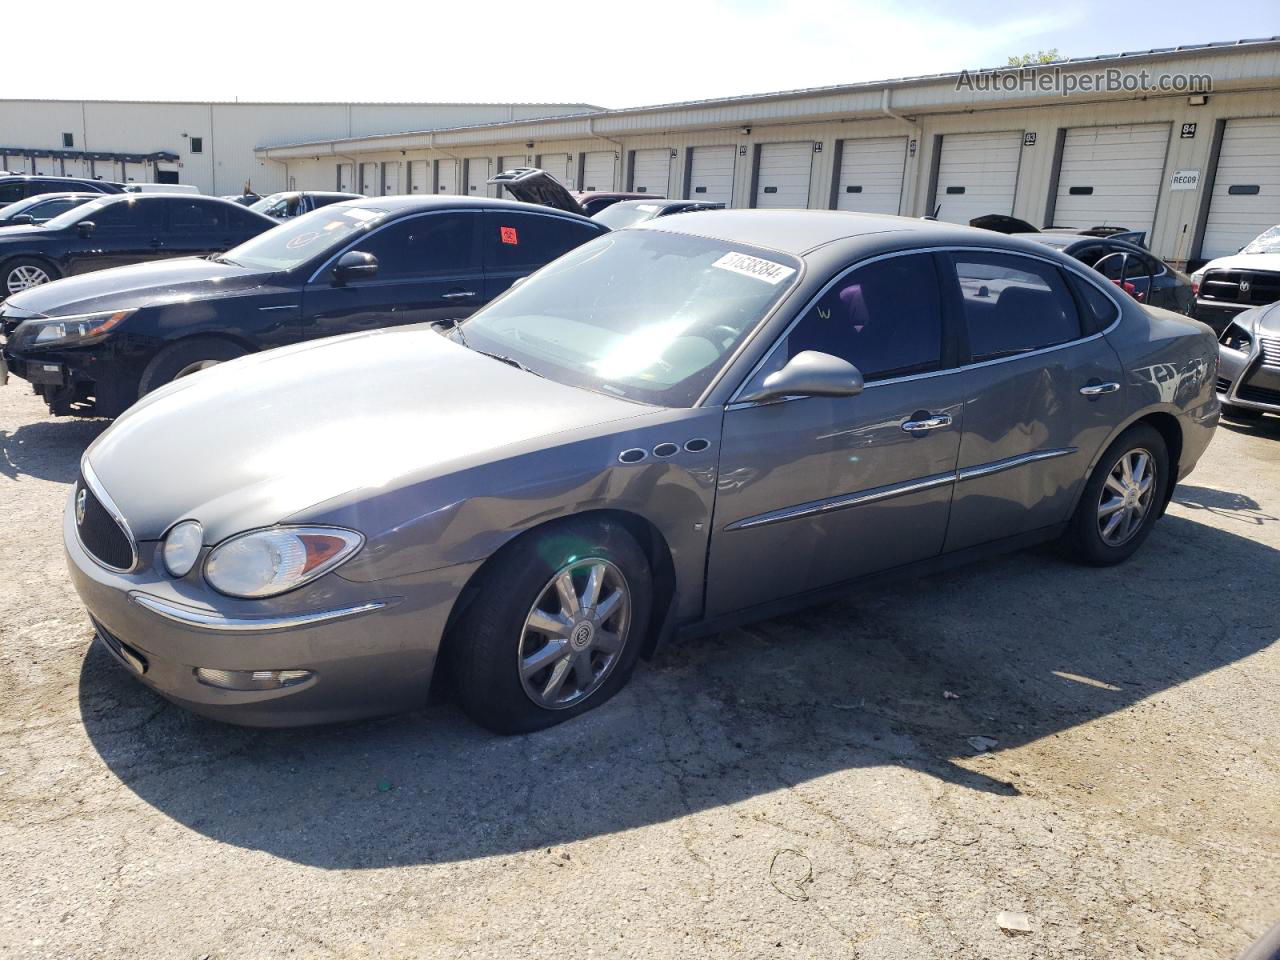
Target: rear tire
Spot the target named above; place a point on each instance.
(23, 273)
(1240, 414)
(1117, 510)
(522, 658)
(185, 358)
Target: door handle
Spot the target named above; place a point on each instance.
(156, 244)
(934, 422)
(1098, 389)
(459, 294)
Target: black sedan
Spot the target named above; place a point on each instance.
(1129, 266)
(627, 213)
(19, 186)
(92, 345)
(122, 229)
(41, 208)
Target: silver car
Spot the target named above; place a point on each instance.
(1249, 374)
(699, 421)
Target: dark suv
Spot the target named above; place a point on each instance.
(92, 345)
(19, 186)
(121, 229)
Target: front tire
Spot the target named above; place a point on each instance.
(23, 273)
(184, 358)
(1122, 498)
(556, 628)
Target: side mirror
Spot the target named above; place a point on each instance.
(354, 265)
(85, 228)
(21, 219)
(810, 374)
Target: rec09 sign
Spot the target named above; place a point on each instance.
(1184, 180)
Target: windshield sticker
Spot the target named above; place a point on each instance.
(765, 270)
(509, 235)
(302, 239)
(364, 216)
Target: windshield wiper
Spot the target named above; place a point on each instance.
(509, 361)
(226, 260)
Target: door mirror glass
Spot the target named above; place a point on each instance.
(22, 219)
(85, 228)
(809, 374)
(354, 265)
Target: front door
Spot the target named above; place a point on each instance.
(1042, 390)
(125, 231)
(428, 269)
(816, 490)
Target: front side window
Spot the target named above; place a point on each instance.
(642, 314)
(11, 192)
(48, 209)
(115, 215)
(305, 238)
(885, 318)
(439, 244)
(525, 241)
(1013, 304)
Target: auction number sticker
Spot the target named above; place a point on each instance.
(509, 235)
(749, 266)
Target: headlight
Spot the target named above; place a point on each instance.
(58, 331)
(182, 547)
(263, 563)
(1236, 338)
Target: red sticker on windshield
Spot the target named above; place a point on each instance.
(509, 235)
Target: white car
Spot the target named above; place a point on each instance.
(1228, 285)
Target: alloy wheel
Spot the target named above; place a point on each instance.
(574, 633)
(1126, 497)
(196, 367)
(25, 277)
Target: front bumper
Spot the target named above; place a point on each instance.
(1244, 380)
(370, 647)
(1218, 314)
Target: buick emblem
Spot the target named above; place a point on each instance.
(1244, 286)
(81, 499)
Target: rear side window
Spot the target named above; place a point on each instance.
(1013, 304)
(242, 219)
(526, 241)
(194, 215)
(885, 318)
(1099, 312)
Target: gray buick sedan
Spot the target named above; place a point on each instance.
(706, 419)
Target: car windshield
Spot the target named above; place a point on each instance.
(1268, 242)
(298, 241)
(641, 314)
(621, 215)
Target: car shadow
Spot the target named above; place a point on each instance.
(1267, 426)
(1016, 649)
(47, 449)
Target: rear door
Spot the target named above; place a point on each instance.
(816, 490)
(517, 243)
(428, 269)
(195, 227)
(1029, 431)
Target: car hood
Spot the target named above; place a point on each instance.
(139, 285)
(1245, 261)
(251, 442)
(531, 185)
(1263, 321)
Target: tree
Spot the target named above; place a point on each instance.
(1031, 59)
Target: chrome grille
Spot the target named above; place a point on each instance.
(1270, 352)
(1246, 287)
(100, 533)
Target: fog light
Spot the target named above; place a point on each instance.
(182, 547)
(252, 679)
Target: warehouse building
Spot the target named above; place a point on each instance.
(1183, 143)
(210, 145)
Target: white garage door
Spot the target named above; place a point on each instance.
(136, 173)
(390, 179)
(557, 164)
(448, 176)
(711, 174)
(871, 171)
(345, 180)
(478, 176)
(1110, 176)
(105, 170)
(369, 179)
(651, 172)
(597, 170)
(419, 176)
(1246, 189)
(977, 174)
(75, 167)
(783, 178)
(510, 163)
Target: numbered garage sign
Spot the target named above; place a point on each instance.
(1184, 180)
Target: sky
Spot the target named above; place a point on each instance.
(609, 54)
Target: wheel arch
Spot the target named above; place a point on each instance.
(1164, 422)
(647, 536)
(44, 258)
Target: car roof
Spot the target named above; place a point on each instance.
(800, 231)
(449, 201)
